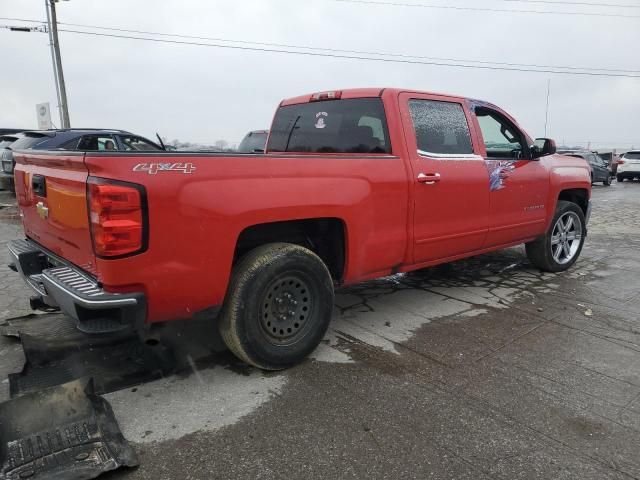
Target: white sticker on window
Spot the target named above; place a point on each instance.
(320, 122)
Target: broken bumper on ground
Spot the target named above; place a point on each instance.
(59, 284)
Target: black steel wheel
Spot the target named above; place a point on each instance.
(287, 306)
(278, 306)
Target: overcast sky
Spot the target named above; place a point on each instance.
(204, 94)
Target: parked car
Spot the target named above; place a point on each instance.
(354, 185)
(6, 181)
(600, 171)
(629, 166)
(254, 142)
(78, 139)
(9, 131)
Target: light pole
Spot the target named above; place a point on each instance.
(546, 112)
(61, 90)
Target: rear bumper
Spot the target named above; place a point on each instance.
(628, 168)
(59, 284)
(631, 173)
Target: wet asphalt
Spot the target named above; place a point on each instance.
(483, 368)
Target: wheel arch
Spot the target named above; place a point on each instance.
(326, 237)
(579, 196)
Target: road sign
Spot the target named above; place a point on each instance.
(44, 116)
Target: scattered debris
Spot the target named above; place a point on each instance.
(588, 312)
(113, 366)
(63, 432)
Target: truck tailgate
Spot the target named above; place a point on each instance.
(51, 192)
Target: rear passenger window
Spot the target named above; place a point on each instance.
(355, 125)
(441, 127)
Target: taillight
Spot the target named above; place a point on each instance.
(117, 216)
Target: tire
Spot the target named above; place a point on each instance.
(620, 178)
(278, 306)
(549, 252)
(607, 181)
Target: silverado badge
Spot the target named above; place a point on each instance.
(43, 211)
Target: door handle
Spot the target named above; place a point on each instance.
(428, 178)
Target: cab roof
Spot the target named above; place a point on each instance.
(372, 92)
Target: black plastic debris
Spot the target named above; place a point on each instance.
(58, 328)
(66, 432)
(113, 366)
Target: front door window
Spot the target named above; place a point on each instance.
(501, 139)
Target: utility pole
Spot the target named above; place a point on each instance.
(61, 90)
(53, 60)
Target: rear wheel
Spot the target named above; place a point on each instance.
(560, 247)
(278, 306)
(607, 181)
(620, 178)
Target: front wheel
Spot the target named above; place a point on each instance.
(620, 178)
(560, 247)
(278, 306)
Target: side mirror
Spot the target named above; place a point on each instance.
(542, 147)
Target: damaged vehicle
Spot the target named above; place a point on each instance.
(353, 185)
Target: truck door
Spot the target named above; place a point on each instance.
(449, 179)
(519, 185)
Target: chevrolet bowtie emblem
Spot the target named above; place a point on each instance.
(42, 210)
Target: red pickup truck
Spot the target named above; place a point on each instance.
(353, 185)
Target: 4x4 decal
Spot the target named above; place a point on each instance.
(153, 168)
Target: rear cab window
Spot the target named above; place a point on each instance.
(631, 156)
(355, 125)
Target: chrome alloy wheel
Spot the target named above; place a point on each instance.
(566, 237)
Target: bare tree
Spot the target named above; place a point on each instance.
(221, 144)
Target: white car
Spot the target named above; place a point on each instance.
(629, 166)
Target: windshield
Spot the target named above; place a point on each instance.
(252, 142)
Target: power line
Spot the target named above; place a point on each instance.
(582, 4)
(483, 9)
(29, 20)
(357, 52)
(351, 57)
